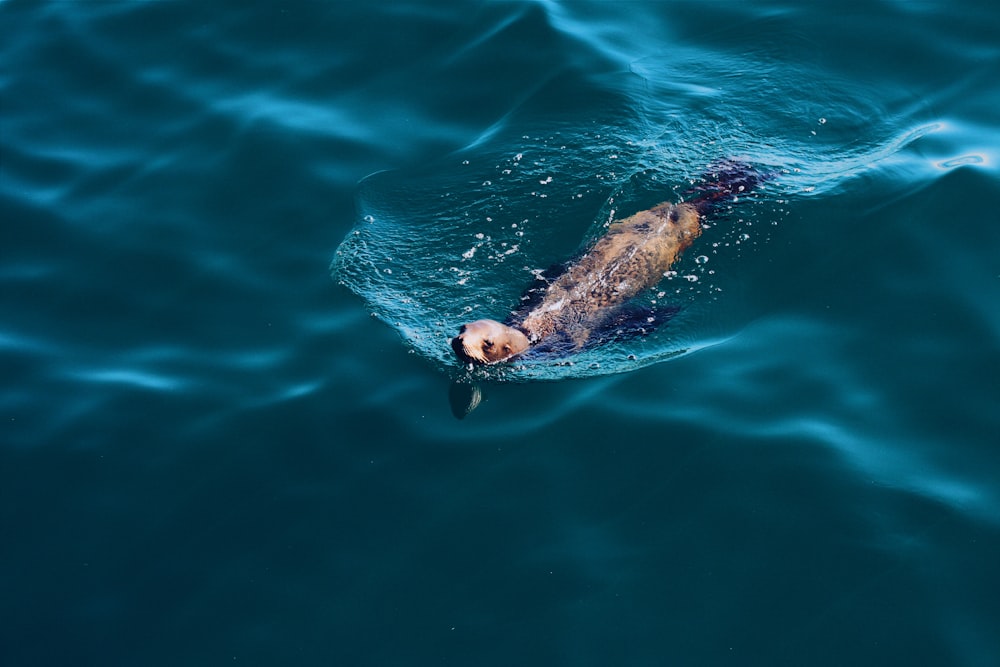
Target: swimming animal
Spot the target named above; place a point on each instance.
(588, 303)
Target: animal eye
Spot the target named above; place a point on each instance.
(506, 348)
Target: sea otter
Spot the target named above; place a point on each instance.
(590, 298)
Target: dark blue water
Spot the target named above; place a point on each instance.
(214, 451)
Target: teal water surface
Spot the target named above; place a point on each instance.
(214, 451)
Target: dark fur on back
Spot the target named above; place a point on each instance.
(725, 182)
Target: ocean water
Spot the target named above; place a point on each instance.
(236, 238)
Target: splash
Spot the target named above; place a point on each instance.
(462, 237)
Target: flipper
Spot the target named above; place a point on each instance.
(631, 321)
(464, 397)
(724, 182)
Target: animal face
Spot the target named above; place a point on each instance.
(487, 342)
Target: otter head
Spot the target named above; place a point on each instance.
(487, 342)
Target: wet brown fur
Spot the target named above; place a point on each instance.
(631, 257)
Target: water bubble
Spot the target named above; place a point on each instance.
(701, 259)
(691, 278)
(369, 218)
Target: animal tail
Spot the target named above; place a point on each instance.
(724, 183)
